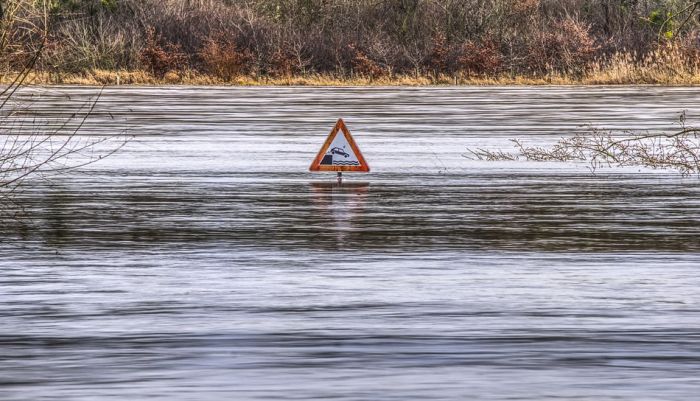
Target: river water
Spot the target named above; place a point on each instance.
(204, 262)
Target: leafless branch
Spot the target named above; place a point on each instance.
(31, 146)
(678, 150)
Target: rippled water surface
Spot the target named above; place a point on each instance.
(203, 261)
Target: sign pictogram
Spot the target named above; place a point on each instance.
(339, 152)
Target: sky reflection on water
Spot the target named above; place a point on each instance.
(204, 262)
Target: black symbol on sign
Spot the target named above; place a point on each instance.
(339, 151)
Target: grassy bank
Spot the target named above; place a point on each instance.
(623, 70)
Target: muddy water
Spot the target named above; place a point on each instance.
(204, 262)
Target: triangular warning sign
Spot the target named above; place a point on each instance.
(339, 152)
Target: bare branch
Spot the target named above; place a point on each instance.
(678, 150)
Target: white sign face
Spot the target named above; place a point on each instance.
(340, 153)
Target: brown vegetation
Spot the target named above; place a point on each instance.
(455, 41)
(159, 56)
(221, 58)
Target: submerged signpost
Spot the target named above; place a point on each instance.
(340, 153)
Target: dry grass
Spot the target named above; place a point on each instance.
(670, 65)
(102, 77)
(665, 66)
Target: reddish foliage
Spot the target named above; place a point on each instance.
(160, 58)
(363, 65)
(282, 64)
(221, 57)
(438, 58)
(481, 58)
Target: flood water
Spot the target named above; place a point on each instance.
(204, 262)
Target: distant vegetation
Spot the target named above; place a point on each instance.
(432, 41)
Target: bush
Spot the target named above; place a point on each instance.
(160, 58)
(438, 60)
(77, 47)
(482, 58)
(566, 47)
(281, 64)
(364, 66)
(222, 58)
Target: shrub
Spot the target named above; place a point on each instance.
(689, 46)
(77, 47)
(482, 58)
(439, 54)
(160, 58)
(566, 47)
(221, 57)
(364, 66)
(281, 63)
